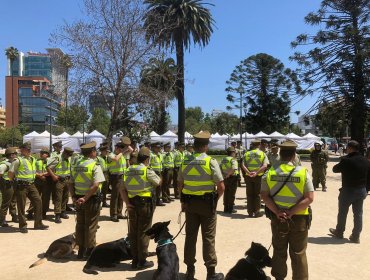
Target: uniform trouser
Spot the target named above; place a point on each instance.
(199, 213)
(9, 201)
(61, 196)
(167, 175)
(38, 187)
(30, 191)
(158, 190)
(319, 176)
(294, 237)
(348, 197)
(231, 185)
(240, 170)
(87, 222)
(253, 193)
(105, 187)
(175, 187)
(140, 220)
(116, 202)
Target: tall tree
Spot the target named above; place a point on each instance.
(196, 121)
(177, 24)
(263, 85)
(12, 53)
(338, 67)
(225, 123)
(76, 116)
(159, 75)
(99, 121)
(108, 50)
(67, 63)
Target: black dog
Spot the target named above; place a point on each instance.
(168, 260)
(251, 267)
(108, 255)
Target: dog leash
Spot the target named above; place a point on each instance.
(181, 227)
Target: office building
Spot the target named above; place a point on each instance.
(35, 90)
(2, 117)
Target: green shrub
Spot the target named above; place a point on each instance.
(304, 152)
(216, 152)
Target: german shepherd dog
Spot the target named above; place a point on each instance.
(168, 260)
(59, 249)
(108, 255)
(251, 267)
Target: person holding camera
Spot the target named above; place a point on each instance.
(288, 191)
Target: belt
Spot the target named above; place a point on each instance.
(24, 183)
(140, 199)
(62, 179)
(116, 175)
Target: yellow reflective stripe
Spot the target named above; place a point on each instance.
(26, 170)
(63, 168)
(82, 174)
(168, 161)
(6, 175)
(155, 162)
(117, 167)
(136, 181)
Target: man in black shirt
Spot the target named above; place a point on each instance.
(355, 170)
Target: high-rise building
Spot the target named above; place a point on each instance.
(2, 117)
(35, 89)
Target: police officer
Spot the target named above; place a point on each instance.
(189, 149)
(273, 155)
(137, 193)
(179, 158)
(240, 151)
(23, 169)
(156, 166)
(6, 187)
(167, 172)
(58, 147)
(127, 150)
(254, 165)
(287, 191)
(59, 170)
(102, 159)
(116, 168)
(229, 168)
(87, 177)
(319, 160)
(198, 176)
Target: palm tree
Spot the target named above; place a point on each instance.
(177, 24)
(160, 75)
(67, 63)
(12, 53)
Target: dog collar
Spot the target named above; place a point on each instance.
(254, 262)
(164, 242)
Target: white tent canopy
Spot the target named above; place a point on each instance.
(63, 135)
(261, 135)
(311, 136)
(95, 136)
(276, 135)
(169, 133)
(153, 134)
(29, 136)
(293, 136)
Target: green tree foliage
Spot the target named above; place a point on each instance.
(159, 75)
(7, 134)
(225, 123)
(76, 118)
(263, 85)
(99, 121)
(195, 120)
(177, 24)
(337, 68)
(331, 120)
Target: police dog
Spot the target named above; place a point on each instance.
(168, 260)
(251, 267)
(59, 249)
(108, 255)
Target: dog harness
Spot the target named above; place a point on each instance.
(164, 242)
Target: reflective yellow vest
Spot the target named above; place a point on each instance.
(102, 162)
(26, 170)
(83, 175)
(8, 164)
(40, 166)
(293, 190)
(168, 160)
(179, 158)
(253, 160)
(227, 166)
(117, 167)
(136, 181)
(63, 168)
(197, 174)
(156, 162)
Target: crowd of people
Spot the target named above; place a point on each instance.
(142, 178)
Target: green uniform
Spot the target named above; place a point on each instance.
(290, 235)
(116, 170)
(253, 160)
(103, 162)
(167, 175)
(319, 161)
(25, 171)
(239, 156)
(139, 183)
(179, 158)
(7, 192)
(199, 174)
(156, 166)
(63, 170)
(85, 173)
(43, 188)
(229, 168)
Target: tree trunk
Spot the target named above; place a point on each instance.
(162, 122)
(180, 86)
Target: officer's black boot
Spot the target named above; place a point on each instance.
(212, 275)
(81, 252)
(63, 215)
(190, 272)
(87, 253)
(232, 210)
(226, 209)
(57, 219)
(14, 218)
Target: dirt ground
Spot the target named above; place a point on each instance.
(328, 258)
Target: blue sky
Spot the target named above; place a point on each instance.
(243, 28)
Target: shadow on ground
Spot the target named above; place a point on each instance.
(327, 240)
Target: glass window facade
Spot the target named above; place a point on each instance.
(36, 110)
(38, 66)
